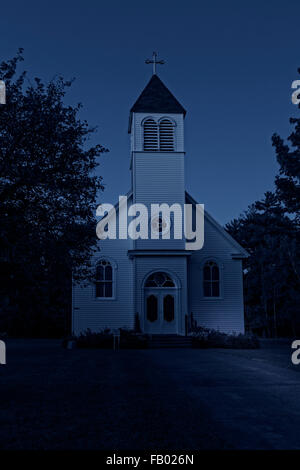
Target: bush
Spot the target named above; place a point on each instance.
(101, 340)
(104, 339)
(137, 324)
(209, 338)
(131, 340)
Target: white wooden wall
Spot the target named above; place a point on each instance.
(227, 312)
(94, 313)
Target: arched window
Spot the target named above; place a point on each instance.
(166, 135)
(158, 136)
(159, 279)
(104, 279)
(211, 279)
(150, 135)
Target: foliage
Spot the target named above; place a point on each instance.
(132, 340)
(104, 339)
(288, 158)
(269, 230)
(137, 323)
(48, 191)
(210, 338)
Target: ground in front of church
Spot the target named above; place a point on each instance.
(53, 398)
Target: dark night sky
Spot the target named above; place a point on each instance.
(230, 64)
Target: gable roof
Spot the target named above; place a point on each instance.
(157, 98)
(240, 252)
(116, 206)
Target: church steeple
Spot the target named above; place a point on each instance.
(157, 154)
(157, 119)
(157, 98)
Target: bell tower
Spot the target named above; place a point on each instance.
(156, 126)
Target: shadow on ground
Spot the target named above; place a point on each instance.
(180, 399)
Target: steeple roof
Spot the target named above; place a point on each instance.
(156, 98)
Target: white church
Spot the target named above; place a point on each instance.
(158, 281)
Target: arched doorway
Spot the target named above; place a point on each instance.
(160, 304)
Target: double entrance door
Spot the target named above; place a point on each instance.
(160, 310)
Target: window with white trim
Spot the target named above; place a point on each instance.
(159, 136)
(104, 279)
(211, 279)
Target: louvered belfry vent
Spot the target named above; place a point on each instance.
(166, 135)
(150, 135)
(158, 136)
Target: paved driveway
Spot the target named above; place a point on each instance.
(51, 398)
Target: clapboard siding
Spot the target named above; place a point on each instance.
(93, 313)
(159, 178)
(227, 312)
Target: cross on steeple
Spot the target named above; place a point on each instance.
(154, 61)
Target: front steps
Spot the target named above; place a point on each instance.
(170, 341)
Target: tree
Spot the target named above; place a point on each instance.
(266, 232)
(269, 230)
(48, 191)
(288, 180)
